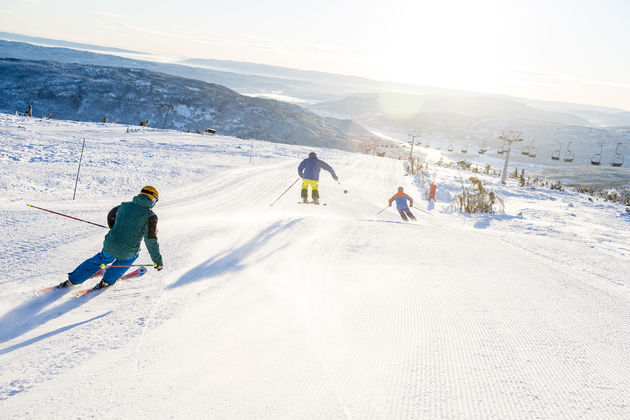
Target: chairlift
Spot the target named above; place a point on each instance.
(450, 146)
(532, 150)
(618, 160)
(438, 146)
(464, 148)
(555, 155)
(483, 149)
(525, 151)
(596, 159)
(569, 155)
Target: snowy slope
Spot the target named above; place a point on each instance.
(297, 311)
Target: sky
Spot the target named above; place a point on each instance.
(571, 51)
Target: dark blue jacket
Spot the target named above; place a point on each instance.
(310, 167)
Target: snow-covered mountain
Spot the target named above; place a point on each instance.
(129, 96)
(298, 311)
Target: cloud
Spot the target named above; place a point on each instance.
(7, 12)
(189, 38)
(33, 1)
(335, 49)
(555, 78)
(110, 14)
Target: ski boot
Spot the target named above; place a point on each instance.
(101, 285)
(64, 284)
(315, 195)
(304, 196)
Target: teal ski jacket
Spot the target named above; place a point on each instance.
(129, 223)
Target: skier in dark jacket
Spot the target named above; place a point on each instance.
(401, 204)
(129, 223)
(309, 172)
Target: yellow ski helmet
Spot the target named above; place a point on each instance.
(150, 192)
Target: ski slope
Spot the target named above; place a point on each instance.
(294, 311)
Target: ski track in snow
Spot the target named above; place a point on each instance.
(301, 311)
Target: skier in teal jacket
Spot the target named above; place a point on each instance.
(129, 223)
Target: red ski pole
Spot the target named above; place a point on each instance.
(69, 217)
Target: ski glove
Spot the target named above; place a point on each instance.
(336, 178)
(158, 267)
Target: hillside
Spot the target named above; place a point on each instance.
(293, 311)
(128, 96)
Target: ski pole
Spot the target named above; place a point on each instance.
(285, 191)
(344, 190)
(382, 210)
(424, 211)
(69, 217)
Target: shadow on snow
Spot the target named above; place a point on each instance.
(31, 314)
(49, 334)
(483, 221)
(231, 261)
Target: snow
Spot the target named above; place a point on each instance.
(297, 311)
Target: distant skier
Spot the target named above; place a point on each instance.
(129, 222)
(401, 204)
(29, 112)
(309, 172)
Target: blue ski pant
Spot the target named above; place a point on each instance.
(87, 268)
(404, 213)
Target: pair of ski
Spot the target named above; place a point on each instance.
(133, 274)
(312, 202)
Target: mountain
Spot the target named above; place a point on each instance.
(129, 96)
(475, 106)
(308, 86)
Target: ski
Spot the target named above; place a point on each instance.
(310, 202)
(135, 273)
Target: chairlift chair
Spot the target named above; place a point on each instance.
(450, 147)
(555, 155)
(618, 160)
(569, 155)
(525, 151)
(596, 159)
(532, 152)
(464, 149)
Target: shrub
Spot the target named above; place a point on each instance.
(476, 199)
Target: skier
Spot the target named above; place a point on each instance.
(309, 172)
(401, 204)
(29, 112)
(129, 223)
